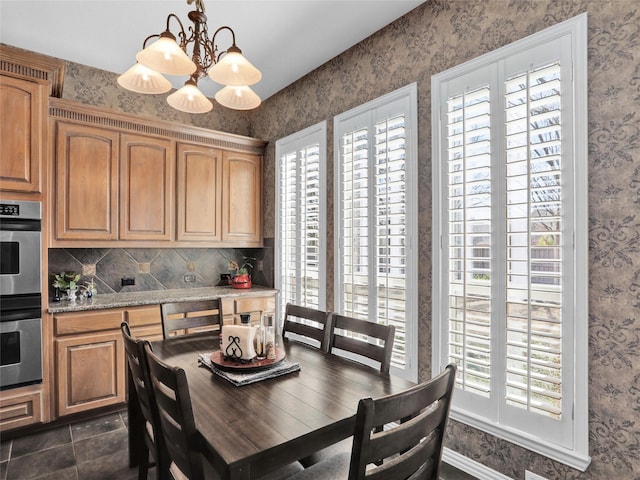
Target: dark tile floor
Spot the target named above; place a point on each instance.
(94, 449)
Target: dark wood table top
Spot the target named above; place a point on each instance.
(250, 430)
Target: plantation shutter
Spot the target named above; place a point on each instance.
(301, 222)
(376, 261)
(510, 226)
(470, 243)
(534, 241)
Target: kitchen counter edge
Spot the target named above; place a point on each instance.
(155, 297)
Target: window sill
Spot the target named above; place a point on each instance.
(572, 458)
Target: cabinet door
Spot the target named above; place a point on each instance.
(242, 198)
(146, 188)
(199, 190)
(90, 372)
(86, 183)
(23, 133)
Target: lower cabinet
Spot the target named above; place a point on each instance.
(255, 306)
(89, 360)
(89, 356)
(90, 371)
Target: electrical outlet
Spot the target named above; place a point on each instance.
(126, 281)
(189, 277)
(532, 476)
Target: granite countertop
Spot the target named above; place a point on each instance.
(135, 299)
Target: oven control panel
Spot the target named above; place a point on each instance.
(13, 209)
(7, 210)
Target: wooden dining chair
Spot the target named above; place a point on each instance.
(362, 338)
(307, 325)
(396, 437)
(178, 425)
(177, 317)
(145, 433)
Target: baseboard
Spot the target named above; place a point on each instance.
(478, 470)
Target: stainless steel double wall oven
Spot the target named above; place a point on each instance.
(20, 293)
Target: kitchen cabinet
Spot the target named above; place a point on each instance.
(86, 183)
(112, 186)
(242, 197)
(254, 305)
(20, 407)
(199, 192)
(146, 193)
(90, 369)
(23, 132)
(124, 181)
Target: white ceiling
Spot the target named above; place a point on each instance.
(284, 39)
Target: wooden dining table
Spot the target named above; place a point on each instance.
(250, 430)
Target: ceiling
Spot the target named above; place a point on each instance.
(284, 39)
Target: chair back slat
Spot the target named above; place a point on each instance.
(141, 381)
(316, 333)
(176, 415)
(400, 436)
(347, 333)
(180, 316)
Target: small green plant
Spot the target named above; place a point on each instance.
(243, 269)
(247, 266)
(66, 280)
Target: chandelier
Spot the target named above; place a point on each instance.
(166, 55)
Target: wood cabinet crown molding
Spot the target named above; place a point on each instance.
(33, 66)
(60, 109)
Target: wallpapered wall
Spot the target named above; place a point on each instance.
(432, 38)
(439, 35)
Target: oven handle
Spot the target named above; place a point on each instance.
(19, 315)
(24, 225)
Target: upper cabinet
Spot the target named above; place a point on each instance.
(86, 183)
(22, 123)
(199, 192)
(26, 80)
(146, 188)
(242, 197)
(143, 183)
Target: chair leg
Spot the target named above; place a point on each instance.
(143, 463)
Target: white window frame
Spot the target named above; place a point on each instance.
(573, 449)
(313, 135)
(404, 99)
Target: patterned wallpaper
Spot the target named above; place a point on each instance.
(434, 37)
(439, 35)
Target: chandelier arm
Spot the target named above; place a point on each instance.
(181, 34)
(144, 44)
(215, 47)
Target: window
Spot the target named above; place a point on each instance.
(510, 255)
(301, 218)
(376, 264)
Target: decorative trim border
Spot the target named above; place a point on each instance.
(33, 66)
(478, 470)
(88, 115)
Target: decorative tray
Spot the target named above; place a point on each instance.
(243, 366)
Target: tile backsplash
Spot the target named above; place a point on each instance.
(156, 268)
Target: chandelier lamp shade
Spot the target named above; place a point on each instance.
(168, 55)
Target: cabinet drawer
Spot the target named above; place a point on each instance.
(85, 322)
(137, 317)
(255, 304)
(151, 333)
(20, 410)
